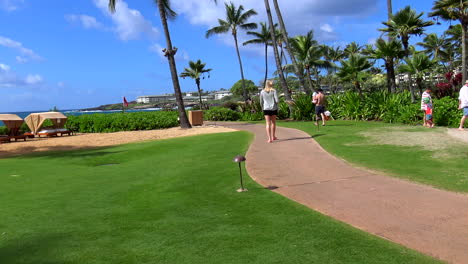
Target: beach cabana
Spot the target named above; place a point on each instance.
(13, 123)
(35, 121)
(11, 120)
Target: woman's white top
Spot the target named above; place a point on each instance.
(269, 100)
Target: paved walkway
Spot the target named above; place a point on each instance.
(429, 220)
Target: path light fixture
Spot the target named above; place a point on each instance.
(239, 159)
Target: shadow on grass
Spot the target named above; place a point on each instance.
(58, 152)
(38, 250)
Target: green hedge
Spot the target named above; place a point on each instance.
(97, 123)
(391, 108)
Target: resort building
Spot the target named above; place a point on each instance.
(150, 99)
(220, 94)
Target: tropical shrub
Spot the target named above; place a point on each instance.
(97, 123)
(446, 112)
(303, 109)
(221, 114)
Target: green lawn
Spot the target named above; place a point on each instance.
(419, 154)
(168, 201)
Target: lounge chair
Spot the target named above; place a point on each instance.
(47, 133)
(15, 134)
(4, 139)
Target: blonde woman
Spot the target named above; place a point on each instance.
(269, 102)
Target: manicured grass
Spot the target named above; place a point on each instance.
(168, 201)
(419, 154)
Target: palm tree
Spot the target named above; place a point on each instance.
(418, 65)
(353, 70)
(352, 49)
(333, 55)
(195, 71)
(301, 47)
(262, 37)
(404, 24)
(279, 68)
(236, 19)
(284, 34)
(388, 51)
(166, 12)
(435, 47)
(454, 10)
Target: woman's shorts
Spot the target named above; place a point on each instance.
(465, 111)
(270, 112)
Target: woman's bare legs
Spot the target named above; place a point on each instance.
(268, 128)
(273, 127)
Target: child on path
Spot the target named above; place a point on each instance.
(269, 102)
(426, 103)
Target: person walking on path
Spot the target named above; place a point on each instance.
(320, 101)
(463, 104)
(269, 102)
(426, 107)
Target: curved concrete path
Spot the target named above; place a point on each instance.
(420, 217)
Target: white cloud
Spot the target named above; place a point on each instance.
(33, 79)
(129, 23)
(11, 79)
(20, 59)
(326, 28)
(299, 17)
(86, 21)
(10, 5)
(9, 43)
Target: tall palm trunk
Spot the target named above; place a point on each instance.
(266, 64)
(317, 78)
(411, 88)
(244, 91)
(284, 33)
(389, 14)
(464, 29)
(284, 85)
(170, 53)
(309, 79)
(199, 92)
(391, 83)
(357, 85)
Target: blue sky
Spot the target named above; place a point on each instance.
(75, 54)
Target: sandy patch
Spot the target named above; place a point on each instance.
(440, 141)
(88, 140)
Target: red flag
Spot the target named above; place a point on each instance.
(125, 102)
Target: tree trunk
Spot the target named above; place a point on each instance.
(391, 84)
(266, 64)
(199, 93)
(357, 85)
(411, 88)
(170, 52)
(317, 77)
(389, 14)
(311, 84)
(244, 91)
(299, 74)
(464, 25)
(284, 85)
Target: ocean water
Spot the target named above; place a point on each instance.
(78, 112)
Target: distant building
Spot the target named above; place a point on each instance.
(150, 99)
(220, 94)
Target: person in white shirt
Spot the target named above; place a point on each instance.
(269, 102)
(463, 103)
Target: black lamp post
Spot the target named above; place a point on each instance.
(240, 159)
